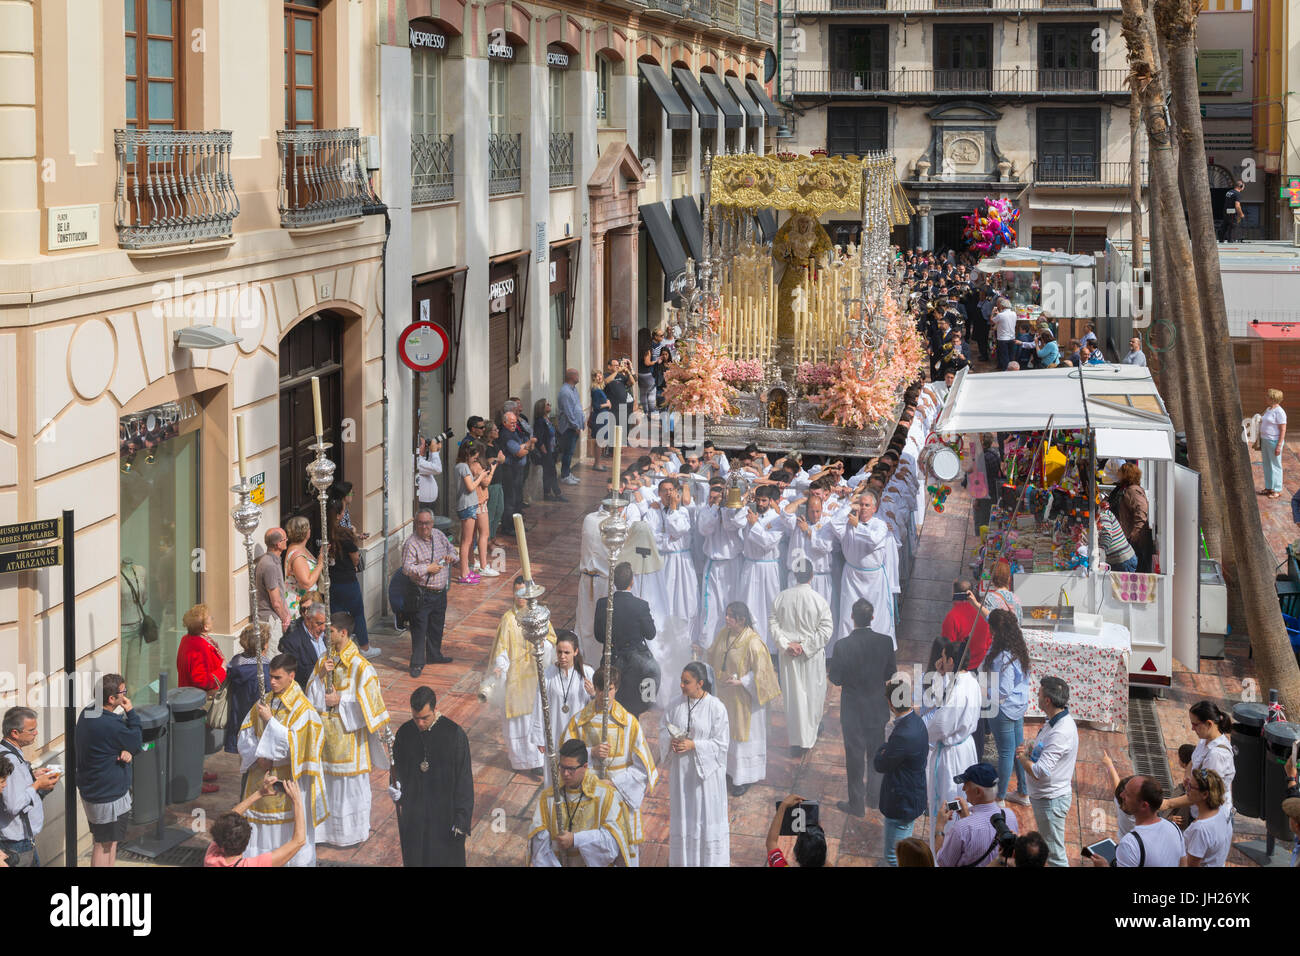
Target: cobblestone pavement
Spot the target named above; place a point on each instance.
(504, 800)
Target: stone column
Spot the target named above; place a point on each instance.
(20, 216)
(926, 216)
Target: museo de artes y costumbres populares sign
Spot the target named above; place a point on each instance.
(423, 346)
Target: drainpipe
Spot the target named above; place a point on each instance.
(374, 209)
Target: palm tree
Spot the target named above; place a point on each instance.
(1206, 368)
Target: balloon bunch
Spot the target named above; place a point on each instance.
(990, 229)
(940, 495)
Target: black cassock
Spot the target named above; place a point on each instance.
(436, 799)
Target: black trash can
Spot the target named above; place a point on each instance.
(150, 765)
(1278, 739)
(185, 744)
(1248, 721)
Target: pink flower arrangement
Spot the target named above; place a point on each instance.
(815, 375)
(741, 372)
(864, 391)
(697, 385)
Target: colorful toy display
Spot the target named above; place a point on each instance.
(992, 228)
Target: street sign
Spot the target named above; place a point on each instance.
(30, 559)
(423, 346)
(25, 532)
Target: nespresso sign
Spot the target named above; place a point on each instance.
(428, 40)
(501, 289)
(557, 58)
(499, 51)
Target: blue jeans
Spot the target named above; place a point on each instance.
(1050, 816)
(1128, 566)
(22, 846)
(1272, 465)
(568, 442)
(895, 830)
(1008, 734)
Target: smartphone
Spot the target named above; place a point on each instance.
(1104, 849)
(805, 815)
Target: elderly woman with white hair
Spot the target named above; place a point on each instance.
(1272, 434)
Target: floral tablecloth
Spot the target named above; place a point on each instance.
(1095, 667)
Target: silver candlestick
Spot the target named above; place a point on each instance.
(535, 622)
(613, 534)
(320, 472)
(248, 515)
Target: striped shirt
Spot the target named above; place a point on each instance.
(418, 554)
(1111, 538)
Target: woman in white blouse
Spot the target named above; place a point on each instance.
(1209, 838)
(697, 737)
(1213, 752)
(1272, 436)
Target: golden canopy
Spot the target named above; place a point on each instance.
(806, 184)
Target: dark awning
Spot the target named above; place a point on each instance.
(686, 82)
(763, 100)
(753, 115)
(733, 117)
(688, 219)
(679, 117)
(767, 224)
(664, 238)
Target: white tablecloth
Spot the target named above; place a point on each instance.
(1094, 665)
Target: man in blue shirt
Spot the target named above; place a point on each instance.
(21, 812)
(901, 764)
(570, 423)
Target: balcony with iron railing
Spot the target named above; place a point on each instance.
(1015, 7)
(747, 14)
(561, 158)
(505, 163)
(174, 187)
(322, 177)
(927, 82)
(726, 15)
(670, 8)
(701, 11)
(433, 171)
(766, 23)
(1082, 172)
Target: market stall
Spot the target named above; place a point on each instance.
(1063, 426)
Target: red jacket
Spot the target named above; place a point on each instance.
(199, 663)
(956, 627)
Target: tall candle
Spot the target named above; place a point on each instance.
(239, 434)
(525, 566)
(315, 402)
(618, 457)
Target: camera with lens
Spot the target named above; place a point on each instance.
(441, 437)
(1003, 834)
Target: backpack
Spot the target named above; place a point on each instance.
(399, 593)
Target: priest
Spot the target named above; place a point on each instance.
(864, 538)
(746, 685)
(623, 759)
(587, 828)
(802, 626)
(345, 691)
(951, 715)
(433, 786)
(512, 657)
(282, 735)
(761, 582)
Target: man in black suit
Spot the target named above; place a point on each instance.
(305, 640)
(862, 664)
(633, 626)
(901, 764)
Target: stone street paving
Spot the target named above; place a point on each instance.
(505, 800)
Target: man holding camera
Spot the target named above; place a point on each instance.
(976, 829)
(22, 813)
(516, 445)
(428, 466)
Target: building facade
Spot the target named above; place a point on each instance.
(203, 206)
(1017, 99)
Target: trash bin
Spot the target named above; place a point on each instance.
(149, 766)
(185, 744)
(1278, 738)
(1248, 721)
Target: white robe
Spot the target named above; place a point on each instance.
(593, 583)
(523, 735)
(866, 575)
(802, 615)
(761, 573)
(676, 617)
(720, 529)
(699, 831)
(951, 748)
(268, 837)
(818, 544)
(577, 698)
(747, 759)
(347, 796)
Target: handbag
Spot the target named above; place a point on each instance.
(148, 626)
(218, 707)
